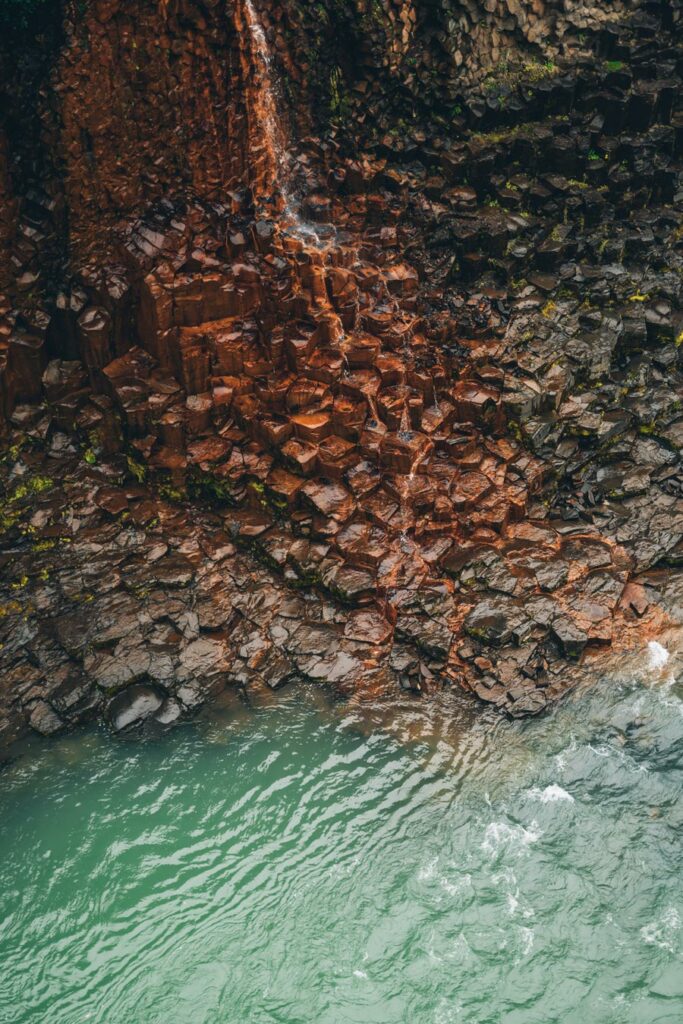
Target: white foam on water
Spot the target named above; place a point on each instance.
(360, 974)
(455, 888)
(657, 656)
(552, 794)
(664, 932)
(431, 952)
(500, 835)
(460, 950)
(428, 870)
(508, 880)
(515, 906)
(428, 873)
(664, 673)
(527, 937)
(346, 868)
(505, 877)
(447, 1012)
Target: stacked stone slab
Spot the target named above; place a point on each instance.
(432, 383)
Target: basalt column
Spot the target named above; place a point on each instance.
(132, 107)
(366, 353)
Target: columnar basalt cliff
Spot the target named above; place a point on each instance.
(339, 341)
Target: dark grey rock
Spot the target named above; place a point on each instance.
(169, 712)
(571, 639)
(552, 575)
(44, 719)
(492, 622)
(133, 705)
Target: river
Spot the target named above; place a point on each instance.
(309, 860)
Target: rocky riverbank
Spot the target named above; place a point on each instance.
(120, 602)
(405, 412)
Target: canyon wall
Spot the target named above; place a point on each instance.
(119, 104)
(136, 102)
(111, 106)
(409, 59)
(342, 341)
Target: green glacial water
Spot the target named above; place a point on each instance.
(311, 861)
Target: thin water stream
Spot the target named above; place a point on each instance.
(312, 861)
(273, 139)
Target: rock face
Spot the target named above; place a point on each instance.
(390, 406)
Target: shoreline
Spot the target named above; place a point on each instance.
(123, 606)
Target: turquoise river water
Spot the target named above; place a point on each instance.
(306, 860)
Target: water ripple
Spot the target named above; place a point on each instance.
(351, 864)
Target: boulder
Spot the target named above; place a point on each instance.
(44, 719)
(571, 639)
(133, 705)
(493, 622)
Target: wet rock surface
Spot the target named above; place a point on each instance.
(399, 416)
(133, 705)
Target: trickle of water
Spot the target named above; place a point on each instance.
(405, 421)
(272, 132)
(274, 136)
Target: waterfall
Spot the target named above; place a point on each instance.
(272, 137)
(266, 109)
